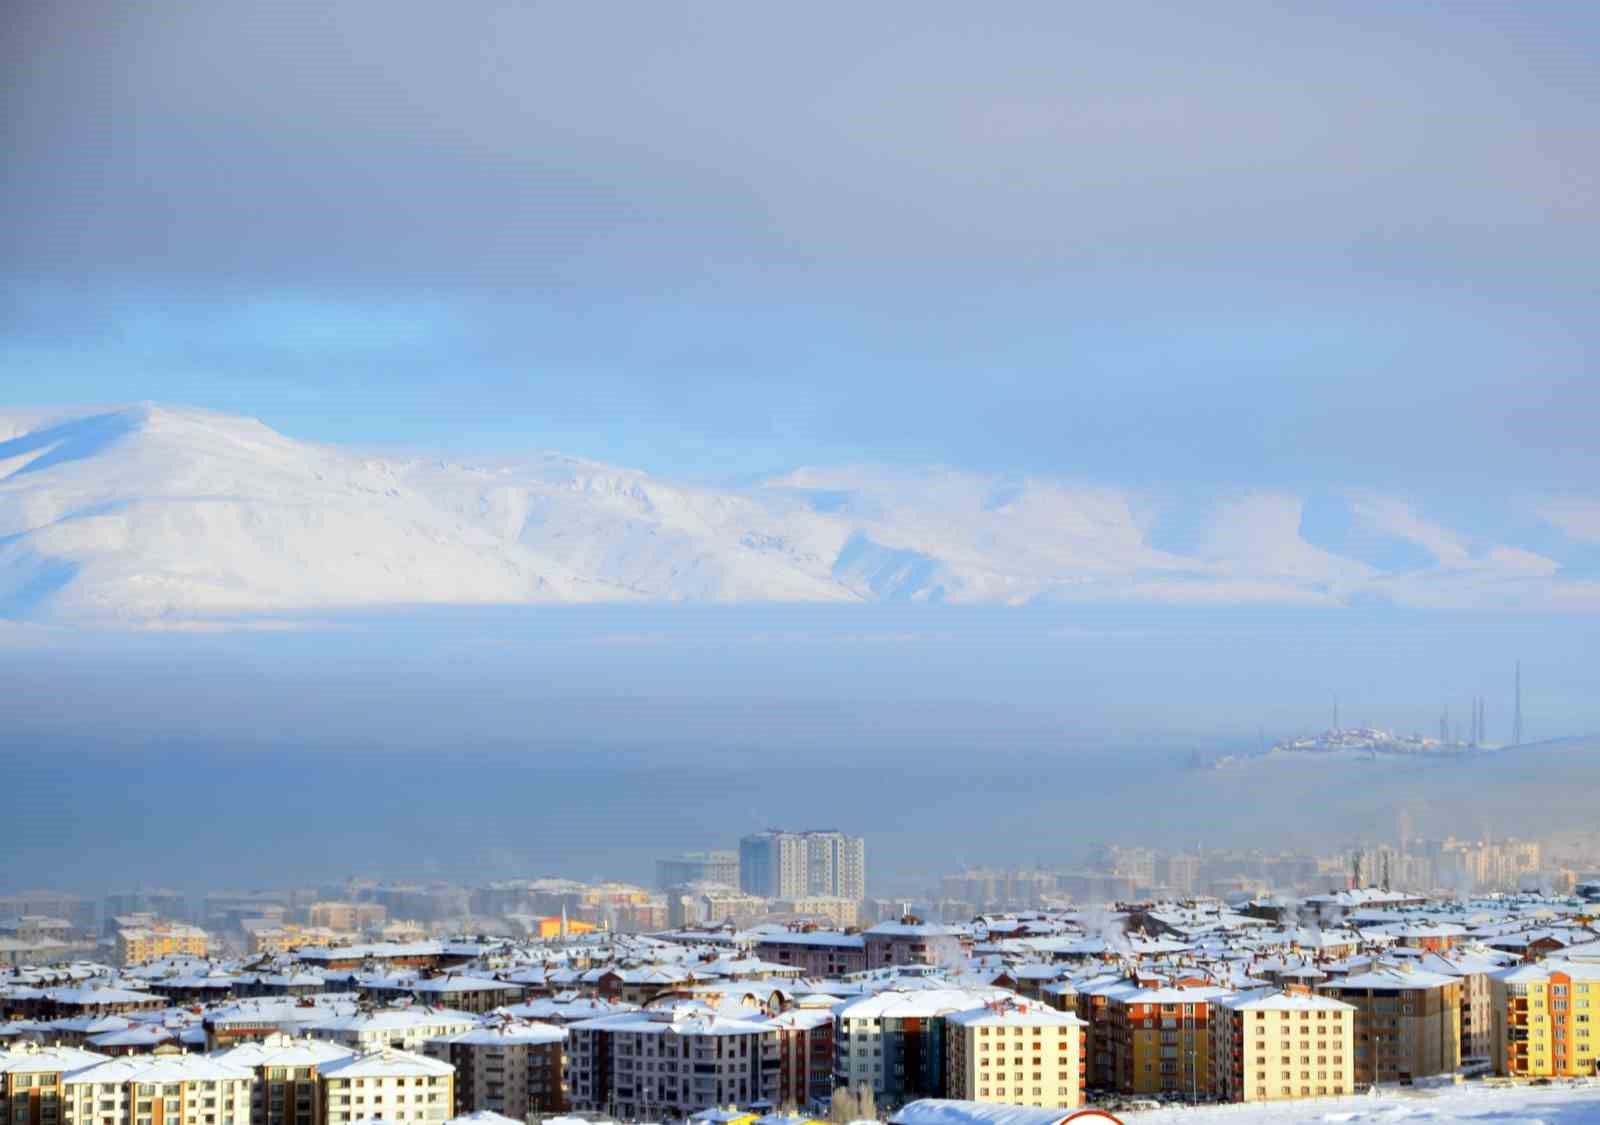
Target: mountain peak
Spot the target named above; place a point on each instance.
(150, 510)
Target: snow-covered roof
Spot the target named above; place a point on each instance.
(896, 1003)
(280, 1050)
(386, 1063)
(30, 1058)
(159, 1068)
(507, 1033)
(1014, 1015)
(1274, 1000)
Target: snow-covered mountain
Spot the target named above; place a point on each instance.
(146, 512)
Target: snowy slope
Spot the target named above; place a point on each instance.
(143, 512)
(1449, 1105)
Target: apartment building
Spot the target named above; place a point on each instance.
(1268, 1045)
(1472, 968)
(1154, 1038)
(30, 1081)
(1015, 1053)
(346, 917)
(136, 945)
(444, 990)
(911, 941)
(817, 953)
(405, 1029)
(288, 1086)
(894, 1041)
(670, 1063)
(796, 865)
(698, 867)
(837, 911)
(1407, 1023)
(164, 1088)
(512, 1067)
(805, 1054)
(399, 1087)
(1543, 1015)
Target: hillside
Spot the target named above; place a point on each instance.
(143, 512)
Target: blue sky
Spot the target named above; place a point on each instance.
(1320, 243)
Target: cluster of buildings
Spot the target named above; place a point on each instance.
(1197, 999)
(1112, 873)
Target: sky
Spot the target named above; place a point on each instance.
(1311, 246)
(1345, 242)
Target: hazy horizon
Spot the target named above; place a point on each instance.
(1208, 365)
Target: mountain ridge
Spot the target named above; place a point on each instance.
(151, 511)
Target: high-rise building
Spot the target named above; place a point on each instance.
(836, 865)
(792, 865)
(698, 867)
(772, 864)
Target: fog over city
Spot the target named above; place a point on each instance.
(523, 439)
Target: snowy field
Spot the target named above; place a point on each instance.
(1480, 1105)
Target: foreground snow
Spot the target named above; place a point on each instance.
(1476, 1103)
(144, 512)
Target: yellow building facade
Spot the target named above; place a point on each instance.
(1544, 1018)
(150, 943)
(1279, 1046)
(1015, 1054)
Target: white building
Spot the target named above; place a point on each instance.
(670, 1063)
(404, 1028)
(397, 1086)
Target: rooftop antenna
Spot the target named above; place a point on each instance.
(1516, 716)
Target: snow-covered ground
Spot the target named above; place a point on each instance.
(1473, 1102)
(144, 512)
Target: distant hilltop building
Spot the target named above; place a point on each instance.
(798, 865)
(1360, 740)
(1366, 738)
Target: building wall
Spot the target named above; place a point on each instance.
(1403, 1034)
(1038, 1066)
(645, 1075)
(402, 1099)
(814, 959)
(1282, 1055)
(1542, 1027)
(513, 1079)
(198, 1102)
(135, 947)
(1160, 1048)
(32, 1098)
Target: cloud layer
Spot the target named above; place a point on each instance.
(1342, 241)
